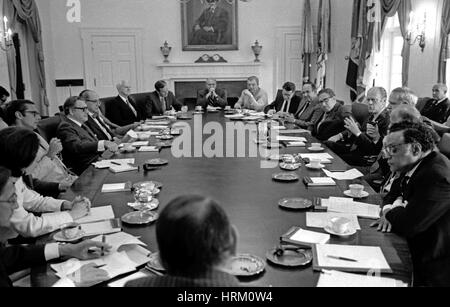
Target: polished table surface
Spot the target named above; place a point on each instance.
(249, 196)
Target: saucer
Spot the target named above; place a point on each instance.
(316, 168)
(316, 149)
(157, 162)
(290, 166)
(290, 256)
(286, 177)
(58, 237)
(295, 203)
(245, 265)
(364, 194)
(140, 218)
(350, 232)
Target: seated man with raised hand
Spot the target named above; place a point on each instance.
(358, 144)
(309, 111)
(212, 96)
(254, 97)
(195, 241)
(285, 104)
(17, 258)
(160, 102)
(18, 149)
(50, 175)
(333, 119)
(421, 210)
(81, 146)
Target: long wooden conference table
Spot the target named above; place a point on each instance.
(250, 197)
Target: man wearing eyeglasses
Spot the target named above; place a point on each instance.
(81, 145)
(421, 212)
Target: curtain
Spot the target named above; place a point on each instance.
(26, 12)
(324, 41)
(308, 41)
(444, 51)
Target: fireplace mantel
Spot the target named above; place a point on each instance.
(173, 72)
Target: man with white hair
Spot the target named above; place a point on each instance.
(122, 111)
(438, 108)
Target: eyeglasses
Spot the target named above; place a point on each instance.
(82, 109)
(392, 150)
(326, 100)
(94, 101)
(34, 113)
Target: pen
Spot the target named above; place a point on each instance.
(342, 258)
(115, 163)
(103, 241)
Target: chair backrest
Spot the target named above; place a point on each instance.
(103, 102)
(444, 145)
(47, 128)
(421, 103)
(139, 97)
(297, 93)
(360, 112)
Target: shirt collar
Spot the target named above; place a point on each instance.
(443, 99)
(123, 98)
(75, 121)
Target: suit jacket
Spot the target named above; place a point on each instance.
(278, 104)
(312, 114)
(218, 21)
(220, 101)
(425, 222)
(119, 113)
(333, 124)
(439, 113)
(151, 106)
(17, 258)
(214, 279)
(80, 147)
(101, 136)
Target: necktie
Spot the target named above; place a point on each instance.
(303, 109)
(131, 108)
(321, 122)
(89, 131)
(103, 127)
(163, 104)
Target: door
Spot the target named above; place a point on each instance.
(114, 60)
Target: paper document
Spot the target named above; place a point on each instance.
(322, 181)
(139, 144)
(346, 205)
(122, 282)
(348, 175)
(309, 237)
(149, 149)
(101, 228)
(119, 239)
(295, 131)
(98, 214)
(295, 144)
(321, 156)
(336, 279)
(321, 220)
(282, 138)
(122, 168)
(115, 187)
(109, 163)
(349, 258)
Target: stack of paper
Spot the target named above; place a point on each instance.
(109, 163)
(98, 214)
(282, 138)
(123, 168)
(348, 175)
(295, 144)
(321, 220)
(350, 258)
(295, 131)
(321, 182)
(149, 149)
(116, 187)
(347, 205)
(119, 239)
(101, 227)
(336, 279)
(305, 237)
(324, 157)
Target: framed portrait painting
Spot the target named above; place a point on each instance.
(209, 25)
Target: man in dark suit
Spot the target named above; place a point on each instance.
(122, 111)
(360, 146)
(212, 96)
(158, 102)
(17, 258)
(286, 103)
(438, 108)
(333, 119)
(81, 146)
(421, 212)
(4, 94)
(309, 111)
(195, 241)
(212, 26)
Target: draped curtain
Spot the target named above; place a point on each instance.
(307, 40)
(26, 12)
(444, 53)
(323, 41)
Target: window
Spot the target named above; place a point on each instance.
(389, 60)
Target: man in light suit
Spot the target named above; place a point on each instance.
(122, 111)
(158, 102)
(212, 96)
(286, 103)
(81, 145)
(421, 210)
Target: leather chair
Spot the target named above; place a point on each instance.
(103, 102)
(422, 102)
(47, 128)
(360, 112)
(444, 145)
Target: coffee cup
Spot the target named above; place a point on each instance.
(340, 225)
(184, 109)
(356, 189)
(316, 145)
(315, 163)
(71, 231)
(227, 108)
(198, 109)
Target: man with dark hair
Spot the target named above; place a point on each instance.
(254, 97)
(159, 102)
(421, 210)
(195, 241)
(212, 96)
(332, 121)
(3, 98)
(309, 111)
(17, 258)
(81, 146)
(50, 174)
(18, 148)
(286, 103)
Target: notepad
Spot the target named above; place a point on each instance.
(336, 279)
(321, 220)
(98, 214)
(295, 131)
(299, 236)
(366, 258)
(319, 182)
(139, 144)
(346, 205)
(116, 187)
(123, 168)
(101, 227)
(321, 156)
(282, 138)
(122, 282)
(149, 149)
(295, 144)
(348, 175)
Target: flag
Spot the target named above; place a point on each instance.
(324, 41)
(308, 41)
